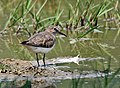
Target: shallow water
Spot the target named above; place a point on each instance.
(65, 52)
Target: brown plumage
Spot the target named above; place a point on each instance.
(43, 41)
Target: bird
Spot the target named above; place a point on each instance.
(43, 42)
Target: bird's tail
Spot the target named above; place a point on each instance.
(24, 42)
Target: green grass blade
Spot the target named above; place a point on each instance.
(41, 8)
(27, 84)
(29, 9)
(106, 52)
(49, 18)
(105, 11)
(57, 17)
(90, 30)
(71, 7)
(114, 74)
(28, 3)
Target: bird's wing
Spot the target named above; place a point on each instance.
(40, 40)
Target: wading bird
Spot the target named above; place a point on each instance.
(43, 42)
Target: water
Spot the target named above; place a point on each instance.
(10, 47)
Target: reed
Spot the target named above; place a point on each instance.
(81, 20)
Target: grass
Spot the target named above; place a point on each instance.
(107, 81)
(79, 20)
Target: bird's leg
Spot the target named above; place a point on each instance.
(44, 59)
(37, 59)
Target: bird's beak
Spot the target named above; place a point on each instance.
(62, 33)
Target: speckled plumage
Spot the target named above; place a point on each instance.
(42, 42)
(42, 39)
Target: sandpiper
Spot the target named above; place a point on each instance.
(43, 42)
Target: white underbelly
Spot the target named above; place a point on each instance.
(40, 49)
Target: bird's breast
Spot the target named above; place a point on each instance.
(40, 49)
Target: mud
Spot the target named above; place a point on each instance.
(19, 70)
(41, 77)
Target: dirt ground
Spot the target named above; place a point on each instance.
(15, 69)
(42, 77)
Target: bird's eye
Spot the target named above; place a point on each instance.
(55, 29)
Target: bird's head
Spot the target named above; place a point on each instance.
(55, 30)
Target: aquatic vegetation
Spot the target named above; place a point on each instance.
(87, 23)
